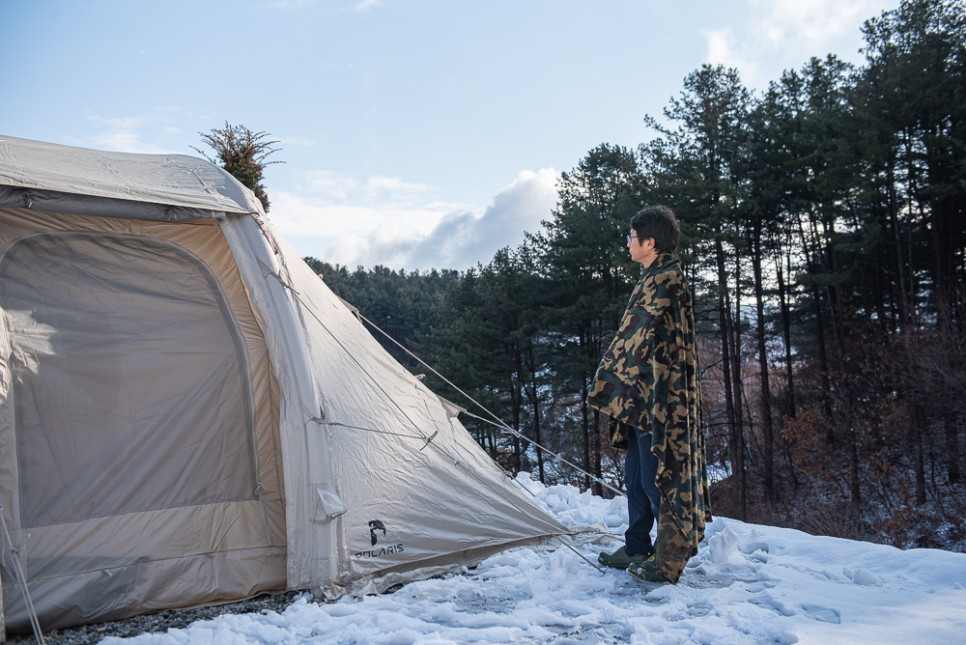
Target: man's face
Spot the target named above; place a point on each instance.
(642, 250)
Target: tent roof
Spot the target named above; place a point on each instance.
(168, 187)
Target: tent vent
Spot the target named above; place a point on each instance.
(330, 505)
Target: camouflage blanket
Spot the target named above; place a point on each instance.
(648, 379)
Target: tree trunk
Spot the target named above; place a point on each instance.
(854, 478)
(585, 416)
(535, 403)
(765, 394)
(737, 438)
(919, 448)
(952, 450)
(791, 407)
(738, 387)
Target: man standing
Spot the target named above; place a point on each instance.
(647, 382)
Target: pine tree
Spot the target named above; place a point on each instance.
(242, 153)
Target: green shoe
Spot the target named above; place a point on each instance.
(646, 571)
(619, 559)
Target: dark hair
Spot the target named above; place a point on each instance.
(657, 222)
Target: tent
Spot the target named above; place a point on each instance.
(188, 415)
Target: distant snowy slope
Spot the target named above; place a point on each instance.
(749, 584)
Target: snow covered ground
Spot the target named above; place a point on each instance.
(749, 584)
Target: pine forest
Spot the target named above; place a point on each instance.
(824, 233)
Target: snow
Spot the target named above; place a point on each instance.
(748, 584)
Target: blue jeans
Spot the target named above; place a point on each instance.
(643, 498)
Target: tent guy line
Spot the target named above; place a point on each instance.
(338, 424)
(428, 440)
(498, 423)
(315, 314)
(496, 420)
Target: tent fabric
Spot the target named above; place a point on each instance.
(189, 415)
(171, 187)
(138, 423)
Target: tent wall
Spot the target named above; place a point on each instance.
(139, 456)
(410, 487)
(312, 526)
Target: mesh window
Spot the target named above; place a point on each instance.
(129, 379)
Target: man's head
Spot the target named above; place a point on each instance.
(659, 223)
(654, 230)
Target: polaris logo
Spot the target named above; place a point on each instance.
(376, 530)
(383, 551)
(376, 525)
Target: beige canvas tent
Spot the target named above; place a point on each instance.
(188, 415)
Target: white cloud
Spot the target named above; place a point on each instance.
(290, 4)
(350, 221)
(722, 50)
(463, 239)
(359, 6)
(784, 34)
(380, 220)
(122, 134)
(384, 191)
(350, 233)
(365, 5)
(809, 23)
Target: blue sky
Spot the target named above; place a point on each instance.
(415, 133)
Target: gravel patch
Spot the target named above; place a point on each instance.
(158, 622)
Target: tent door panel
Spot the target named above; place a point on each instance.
(129, 379)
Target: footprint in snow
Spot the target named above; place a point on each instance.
(822, 614)
(767, 601)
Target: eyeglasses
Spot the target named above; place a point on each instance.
(630, 237)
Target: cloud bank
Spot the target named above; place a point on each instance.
(386, 221)
(790, 31)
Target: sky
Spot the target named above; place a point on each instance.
(413, 134)
(748, 584)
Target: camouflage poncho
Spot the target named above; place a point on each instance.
(648, 380)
